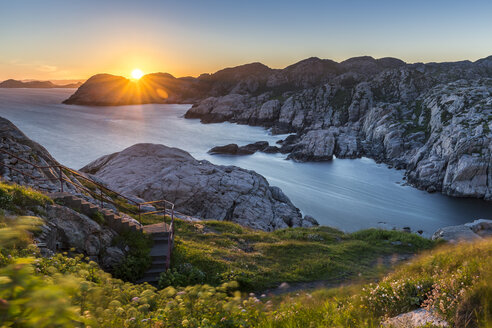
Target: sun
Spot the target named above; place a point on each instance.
(137, 73)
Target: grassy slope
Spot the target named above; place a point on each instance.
(63, 291)
(453, 281)
(258, 260)
(225, 251)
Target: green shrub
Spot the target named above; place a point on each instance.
(390, 298)
(137, 260)
(6, 199)
(66, 291)
(99, 218)
(184, 275)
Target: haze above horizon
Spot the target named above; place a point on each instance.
(56, 39)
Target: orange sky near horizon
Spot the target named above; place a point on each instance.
(59, 39)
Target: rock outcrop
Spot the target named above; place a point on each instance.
(67, 229)
(415, 319)
(12, 140)
(434, 120)
(198, 188)
(234, 149)
(477, 229)
(63, 228)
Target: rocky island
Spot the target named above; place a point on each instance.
(36, 84)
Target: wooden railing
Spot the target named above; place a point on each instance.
(60, 173)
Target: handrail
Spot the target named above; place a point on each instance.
(62, 179)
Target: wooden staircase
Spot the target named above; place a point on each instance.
(160, 233)
(160, 252)
(113, 220)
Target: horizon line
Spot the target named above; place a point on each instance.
(248, 63)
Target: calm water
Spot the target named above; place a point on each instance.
(347, 194)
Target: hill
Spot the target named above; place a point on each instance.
(36, 84)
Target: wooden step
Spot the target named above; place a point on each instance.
(60, 195)
(158, 251)
(161, 241)
(89, 208)
(159, 258)
(159, 265)
(74, 202)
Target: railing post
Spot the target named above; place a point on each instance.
(165, 215)
(60, 172)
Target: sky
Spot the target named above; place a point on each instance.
(75, 39)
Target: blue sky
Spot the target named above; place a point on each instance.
(75, 39)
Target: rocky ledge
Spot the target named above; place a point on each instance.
(198, 188)
(477, 229)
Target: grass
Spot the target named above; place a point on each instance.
(454, 281)
(19, 199)
(257, 260)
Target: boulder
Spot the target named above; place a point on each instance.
(414, 319)
(271, 150)
(198, 188)
(252, 148)
(230, 149)
(67, 229)
(466, 232)
(234, 149)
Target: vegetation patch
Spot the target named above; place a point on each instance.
(445, 117)
(137, 260)
(19, 199)
(257, 260)
(452, 280)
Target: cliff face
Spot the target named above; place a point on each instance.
(434, 120)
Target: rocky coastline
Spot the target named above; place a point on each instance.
(433, 120)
